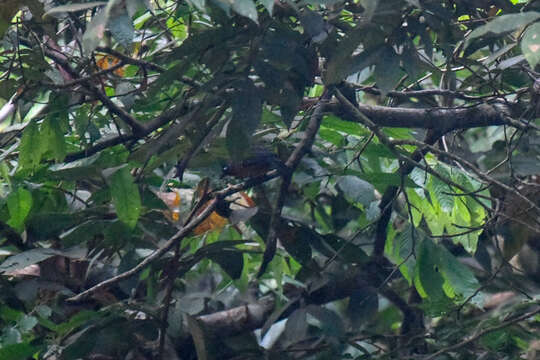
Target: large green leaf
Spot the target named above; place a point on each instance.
(31, 147)
(428, 278)
(19, 203)
(356, 189)
(245, 8)
(460, 281)
(387, 70)
(17, 351)
(342, 66)
(24, 259)
(503, 24)
(247, 111)
(530, 44)
(122, 30)
(53, 136)
(230, 260)
(400, 250)
(125, 195)
(95, 30)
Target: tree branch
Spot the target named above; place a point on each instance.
(482, 333)
(290, 165)
(440, 119)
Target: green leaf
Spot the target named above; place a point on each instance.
(17, 351)
(76, 321)
(53, 136)
(400, 251)
(230, 260)
(245, 8)
(133, 6)
(530, 44)
(81, 343)
(94, 32)
(348, 127)
(356, 190)
(461, 280)
(503, 24)
(24, 259)
(440, 191)
(296, 240)
(332, 137)
(122, 30)
(125, 195)
(247, 111)
(339, 67)
(177, 28)
(387, 71)
(27, 323)
(31, 147)
(19, 204)
(296, 328)
(428, 278)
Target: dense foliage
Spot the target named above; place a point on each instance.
(311, 179)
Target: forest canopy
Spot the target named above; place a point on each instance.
(292, 179)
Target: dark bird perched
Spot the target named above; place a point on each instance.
(258, 164)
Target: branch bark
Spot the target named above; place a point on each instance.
(440, 119)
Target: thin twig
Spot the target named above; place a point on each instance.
(303, 147)
(482, 333)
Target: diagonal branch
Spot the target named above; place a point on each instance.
(290, 165)
(182, 233)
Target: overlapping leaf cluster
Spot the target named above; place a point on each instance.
(390, 230)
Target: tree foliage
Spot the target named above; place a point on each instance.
(281, 179)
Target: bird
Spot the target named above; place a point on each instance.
(256, 165)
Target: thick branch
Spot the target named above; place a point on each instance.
(441, 119)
